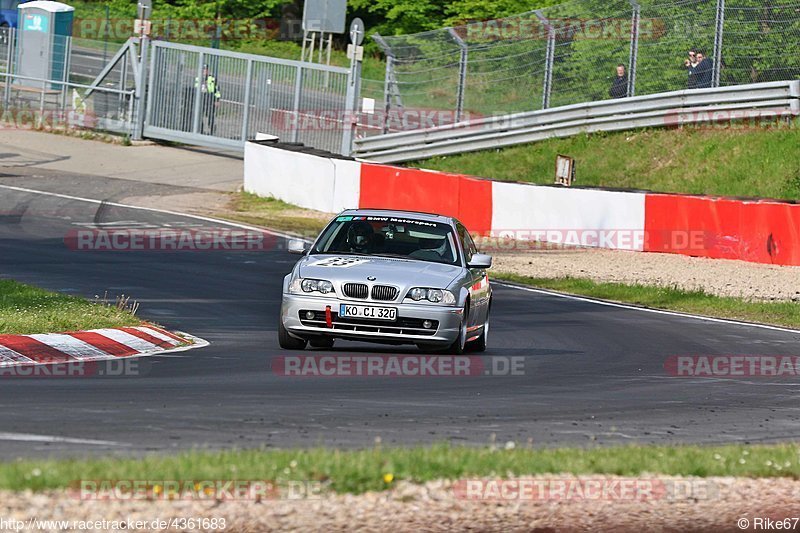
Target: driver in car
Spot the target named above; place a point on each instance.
(359, 237)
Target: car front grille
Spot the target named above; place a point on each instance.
(384, 293)
(356, 290)
(403, 325)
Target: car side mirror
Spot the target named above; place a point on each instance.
(296, 247)
(480, 261)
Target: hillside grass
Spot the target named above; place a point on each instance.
(726, 161)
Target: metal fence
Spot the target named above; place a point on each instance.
(569, 53)
(774, 103)
(61, 98)
(295, 101)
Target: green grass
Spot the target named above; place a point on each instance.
(736, 161)
(275, 214)
(673, 299)
(358, 471)
(25, 309)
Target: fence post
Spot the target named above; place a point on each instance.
(549, 58)
(387, 94)
(248, 79)
(12, 33)
(356, 53)
(462, 73)
(198, 93)
(298, 91)
(718, 31)
(634, 53)
(388, 81)
(138, 125)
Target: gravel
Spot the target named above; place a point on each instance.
(708, 504)
(720, 277)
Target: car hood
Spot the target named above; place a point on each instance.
(402, 273)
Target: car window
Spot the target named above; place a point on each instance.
(409, 238)
(467, 243)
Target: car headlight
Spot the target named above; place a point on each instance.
(437, 296)
(321, 286)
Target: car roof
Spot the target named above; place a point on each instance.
(398, 213)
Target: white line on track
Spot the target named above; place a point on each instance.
(644, 309)
(508, 285)
(27, 437)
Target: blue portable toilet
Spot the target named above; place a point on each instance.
(43, 42)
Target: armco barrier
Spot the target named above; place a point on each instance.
(755, 231)
(749, 230)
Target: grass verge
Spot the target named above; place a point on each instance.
(669, 298)
(733, 161)
(358, 471)
(25, 309)
(275, 214)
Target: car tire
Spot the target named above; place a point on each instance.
(321, 342)
(479, 344)
(286, 341)
(459, 345)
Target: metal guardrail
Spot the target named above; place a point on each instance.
(658, 110)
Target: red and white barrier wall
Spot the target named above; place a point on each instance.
(757, 231)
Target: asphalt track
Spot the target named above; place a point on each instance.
(593, 374)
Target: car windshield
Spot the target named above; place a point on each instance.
(407, 238)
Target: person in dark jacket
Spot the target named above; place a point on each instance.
(690, 64)
(704, 71)
(619, 87)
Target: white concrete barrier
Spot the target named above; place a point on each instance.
(598, 218)
(328, 184)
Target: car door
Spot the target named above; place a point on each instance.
(479, 281)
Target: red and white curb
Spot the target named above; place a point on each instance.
(93, 345)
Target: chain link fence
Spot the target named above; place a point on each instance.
(572, 53)
(61, 97)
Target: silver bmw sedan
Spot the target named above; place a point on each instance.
(393, 277)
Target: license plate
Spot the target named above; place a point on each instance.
(367, 311)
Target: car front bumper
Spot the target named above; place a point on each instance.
(404, 330)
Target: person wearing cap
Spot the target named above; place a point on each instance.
(210, 95)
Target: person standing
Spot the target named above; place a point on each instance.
(209, 100)
(619, 87)
(690, 64)
(704, 71)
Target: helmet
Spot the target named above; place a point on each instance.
(359, 236)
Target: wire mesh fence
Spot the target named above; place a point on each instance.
(581, 51)
(57, 94)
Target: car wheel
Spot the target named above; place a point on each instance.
(321, 342)
(286, 341)
(459, 345)
(479, 344)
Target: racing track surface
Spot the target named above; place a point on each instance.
(593, 374)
